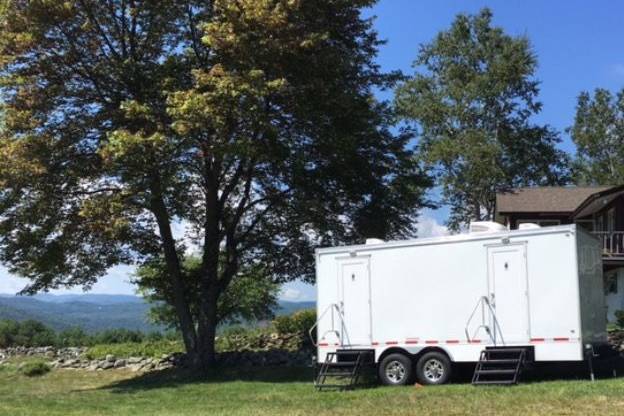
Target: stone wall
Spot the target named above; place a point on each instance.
(75, 358)
(616, 339)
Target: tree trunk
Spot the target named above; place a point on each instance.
(207, 331)
(207, 319)
(175, 271)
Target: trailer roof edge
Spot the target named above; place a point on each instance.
(571, 228)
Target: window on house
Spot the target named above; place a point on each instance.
(611, 283)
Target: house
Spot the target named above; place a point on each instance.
(598, 209)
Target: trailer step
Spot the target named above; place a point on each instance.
(500, 365)
(496, 371)
(348, 365)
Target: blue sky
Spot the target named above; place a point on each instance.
(579, 45)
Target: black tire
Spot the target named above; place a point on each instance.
(433, 368)
(396, 370)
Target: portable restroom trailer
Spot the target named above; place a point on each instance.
(417, 306)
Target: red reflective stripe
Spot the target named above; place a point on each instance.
(375, 343)
(452, 341)
(392, 342)
(537, 340)
(337, 344)
(323, 344)
(431, 341)
(411, 341)
(560, 339)
(475, 341)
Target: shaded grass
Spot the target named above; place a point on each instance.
(283, 391)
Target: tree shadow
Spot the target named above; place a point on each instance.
(177, 377)
(553, 371)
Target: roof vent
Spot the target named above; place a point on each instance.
(528, 226)
(486, 227)
(374, 241)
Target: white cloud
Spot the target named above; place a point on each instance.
(428, 226)
(290, 294)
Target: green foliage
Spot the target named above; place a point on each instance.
(598, 133)
(471, 101)
(251, 295)
(34, 334)
(252, 123)
(153, 349)
(34, 368)
(298, 323)
(73, 337)
(26, 333)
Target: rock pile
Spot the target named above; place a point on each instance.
(616, 339)
(75, 358)
(262, 341)
(111, 362)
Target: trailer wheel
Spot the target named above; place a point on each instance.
(395, 370)
(433, 368)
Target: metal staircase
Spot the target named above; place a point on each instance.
(500, 365)
(344, 369)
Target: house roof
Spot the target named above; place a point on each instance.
(561, 199)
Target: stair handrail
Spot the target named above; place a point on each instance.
(483, 302)
(332, 307)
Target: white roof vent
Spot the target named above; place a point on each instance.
(528, 226)
(486, 227)
(374, 241)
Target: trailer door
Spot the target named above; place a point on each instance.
(508, 293)
(355, 294)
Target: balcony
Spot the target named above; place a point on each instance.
(612, 244)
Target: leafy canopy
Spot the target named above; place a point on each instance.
(251, 297)
(471, 100)
(598, 133)
(251, 124)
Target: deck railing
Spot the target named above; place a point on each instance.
(612, 243)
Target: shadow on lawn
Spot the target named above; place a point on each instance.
(177, 377)
(462, 375)
(562, 370)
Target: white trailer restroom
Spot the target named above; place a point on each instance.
(417, 306)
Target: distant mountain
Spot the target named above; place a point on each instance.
(287, 308)
(89, 298)
(93, 312)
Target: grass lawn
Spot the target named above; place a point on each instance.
(287, 392)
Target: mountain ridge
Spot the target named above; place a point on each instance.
(96, 312)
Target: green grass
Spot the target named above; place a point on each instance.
(282, 391)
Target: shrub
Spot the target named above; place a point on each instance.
(299, 322)
(28, 333)
(118, 336)
(34, 368)
(73, 337)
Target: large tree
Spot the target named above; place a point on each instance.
(598, 133)
(250, 123)
(471, 100)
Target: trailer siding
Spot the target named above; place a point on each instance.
(422, 293)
